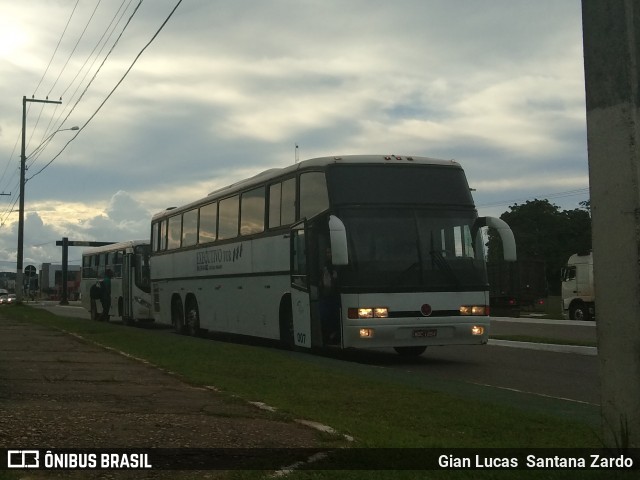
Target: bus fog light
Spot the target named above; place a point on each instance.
(366, 332)
(477, 330)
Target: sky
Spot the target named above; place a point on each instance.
(168, 112)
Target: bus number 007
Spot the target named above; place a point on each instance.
(302, 338)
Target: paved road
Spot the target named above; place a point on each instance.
(557, 329)
(555, 372)
(570, 330)
(565, 385)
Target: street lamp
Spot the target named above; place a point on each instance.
(46, 141)
(23, 160)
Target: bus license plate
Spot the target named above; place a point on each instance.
(432, 332)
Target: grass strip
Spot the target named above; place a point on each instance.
(551, 341)
(378, 413)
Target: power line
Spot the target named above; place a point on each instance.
(95, 48)
(117, 84)
(567, 193)
(75, 47)
(57, 46)
(5, 215)
(103, 61)
(74, 105)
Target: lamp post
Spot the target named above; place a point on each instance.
(45, 142)
(23, 160)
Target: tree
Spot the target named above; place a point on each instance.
(542, 231)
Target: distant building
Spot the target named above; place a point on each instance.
(8, 281)
(50, 284)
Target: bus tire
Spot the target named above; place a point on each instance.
(410, 351)
(177, 314)
(286, 323)
(192, 318)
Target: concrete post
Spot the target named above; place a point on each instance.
(612, 73)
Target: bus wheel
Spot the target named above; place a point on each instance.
(192, 320)
(410, 351)
(177, 315)
(286, 323)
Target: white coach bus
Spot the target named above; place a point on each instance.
(130, 283)
(407, 262)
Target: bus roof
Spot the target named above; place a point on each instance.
(114, 246)
(319, 162)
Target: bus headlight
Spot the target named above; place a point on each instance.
(475, 310)
(381, 312)
(368, 312)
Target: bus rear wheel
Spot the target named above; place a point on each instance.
(410, 351)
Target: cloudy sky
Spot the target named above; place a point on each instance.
(228, 88)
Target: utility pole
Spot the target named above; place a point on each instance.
(612, 73)
(23, 161)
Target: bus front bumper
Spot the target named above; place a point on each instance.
(377, 335)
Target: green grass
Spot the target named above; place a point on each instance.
(377, 411)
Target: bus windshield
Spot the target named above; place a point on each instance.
(405, 248)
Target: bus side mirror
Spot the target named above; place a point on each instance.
(338, 238)
(506, 235)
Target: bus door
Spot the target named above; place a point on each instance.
(127, 287)
(300, 286)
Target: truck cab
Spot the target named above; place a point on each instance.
(578, 297)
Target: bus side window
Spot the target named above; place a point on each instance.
(275, 198)
(252, 211)
(86, 267)
(163, 235)
(190, 228)
(117, 264)
(228, 218)
(174, 232)
(208, 221)
(96, 265)
(108, 262)
(101, 264)
(154, 236)
(288, 205)
(314, 198)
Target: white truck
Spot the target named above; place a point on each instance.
(578, 296)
